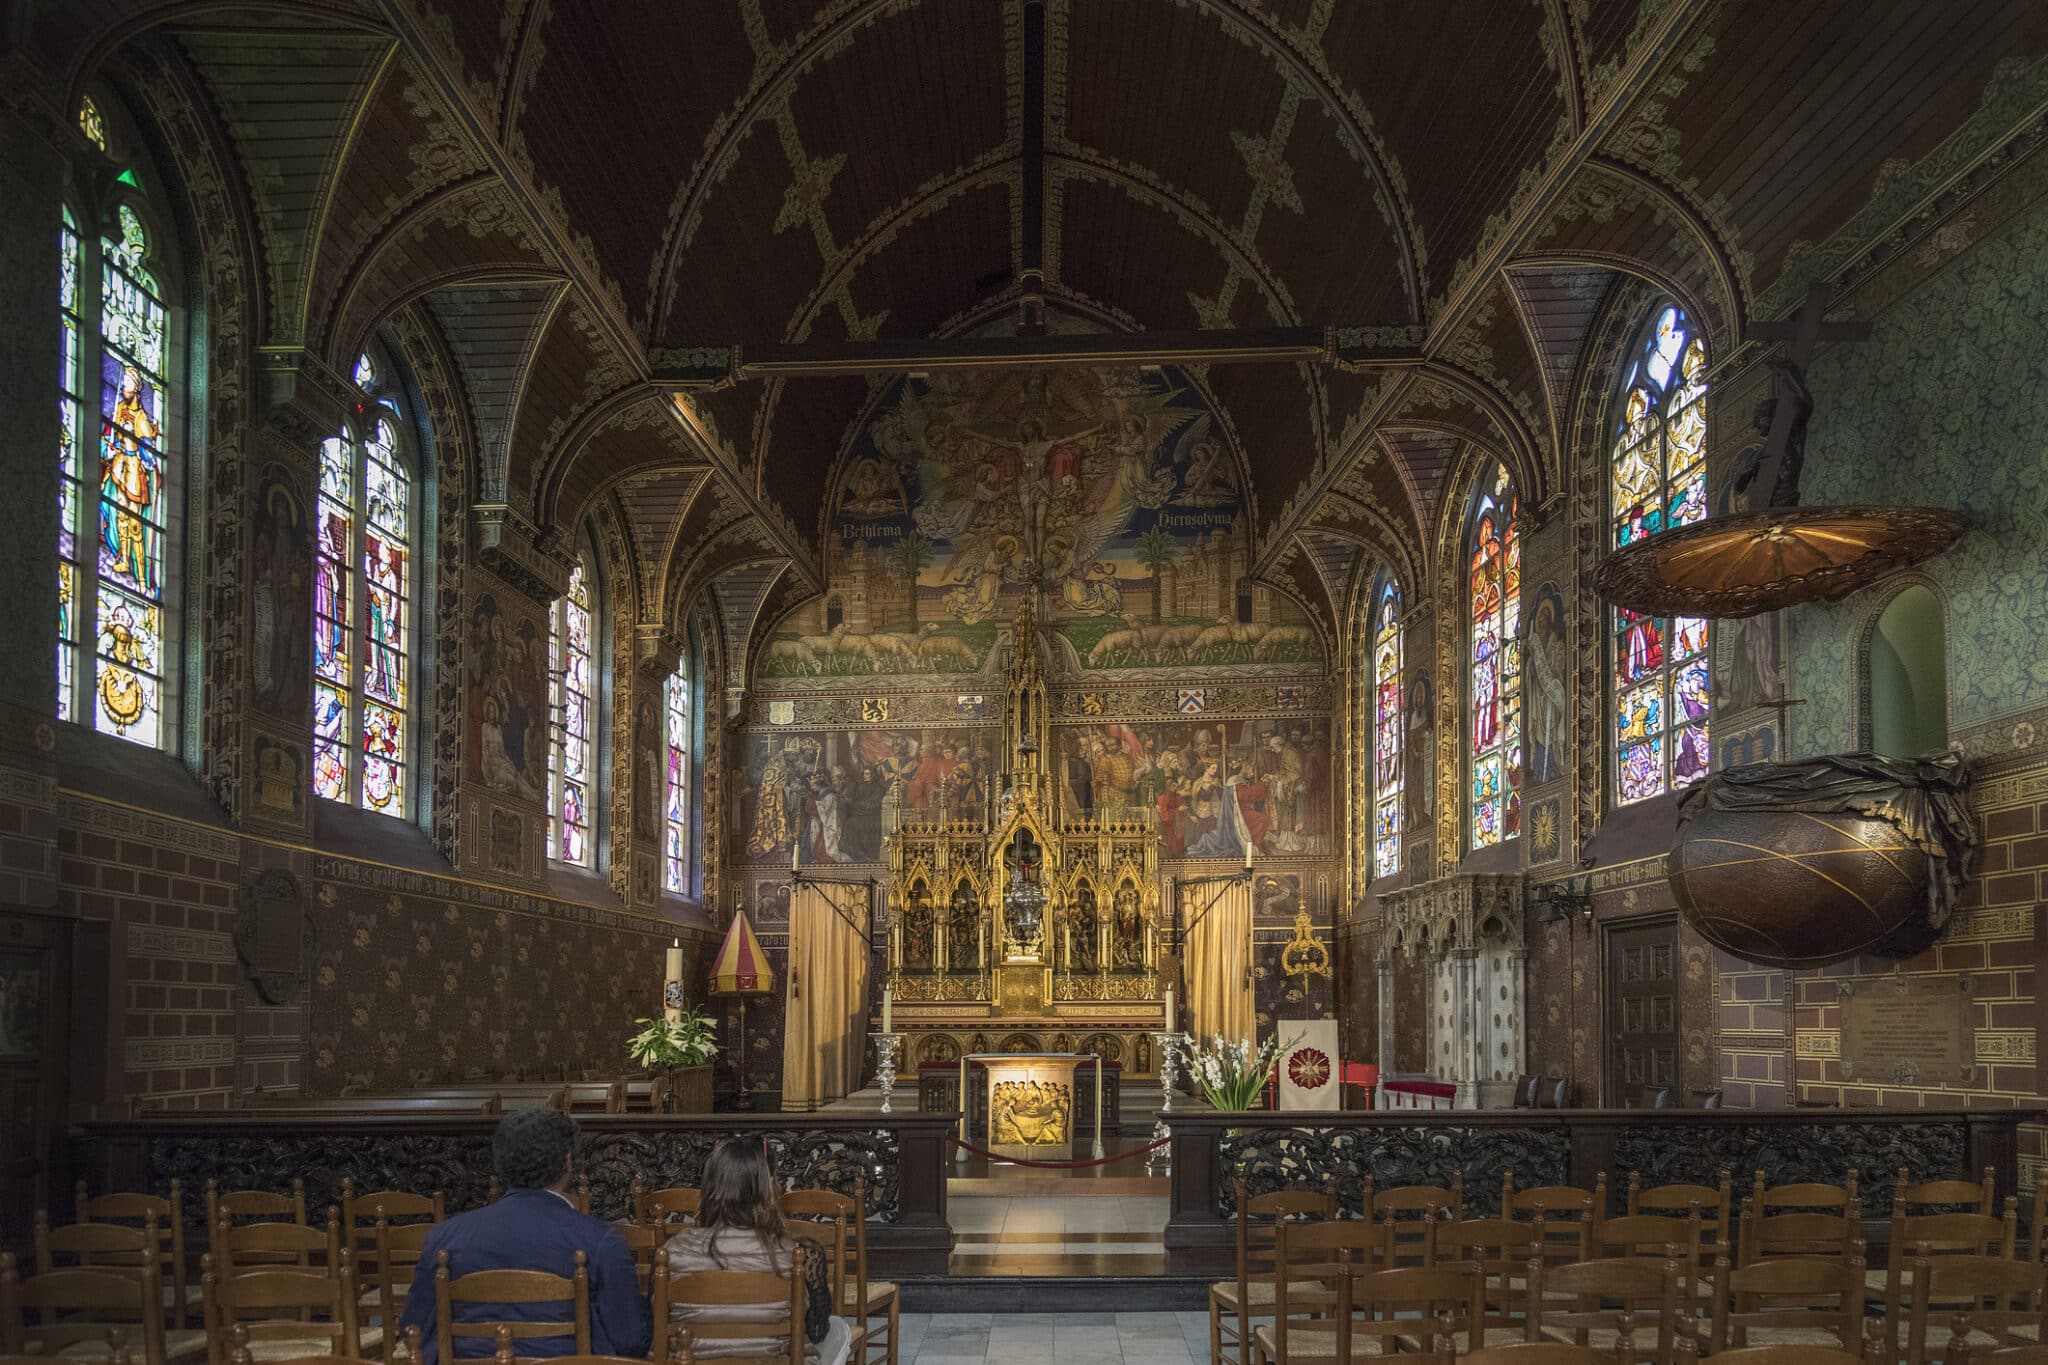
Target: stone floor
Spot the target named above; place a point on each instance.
(1055, 1338)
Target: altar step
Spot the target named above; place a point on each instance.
(1063, 1294)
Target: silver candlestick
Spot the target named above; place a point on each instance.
(1168, 1071)
(886, 1045)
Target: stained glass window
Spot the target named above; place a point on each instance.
(112, 535)
(1386, 731)
(92, 123)
(569, 705)
(362, 606)
(1496, 677)
(675, 821)
(1662, 675)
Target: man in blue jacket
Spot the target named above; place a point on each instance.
(533, 1227)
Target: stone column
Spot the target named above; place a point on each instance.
(1384, 963)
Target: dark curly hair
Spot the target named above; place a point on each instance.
(531, 1147)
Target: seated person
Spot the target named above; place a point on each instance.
(533, 1227)
(739, 1227)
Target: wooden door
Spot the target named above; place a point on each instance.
(33, 1048)
(1642, 1012)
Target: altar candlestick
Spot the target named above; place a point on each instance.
(1247, 855)
(794, 841)
(1169, 1011)
(1067, 937)
(672, 982)
(888, 1010)
(981, 945)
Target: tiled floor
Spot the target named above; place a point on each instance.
(1099, 1235)
(1055, 1338)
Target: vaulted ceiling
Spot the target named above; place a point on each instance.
(573, 193)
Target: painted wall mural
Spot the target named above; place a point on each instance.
(824, 792)
(1947, 399)
(1112, 490)
(508, 697)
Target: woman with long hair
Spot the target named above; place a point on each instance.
(740, 1227)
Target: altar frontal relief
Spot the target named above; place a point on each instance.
(1115, 489)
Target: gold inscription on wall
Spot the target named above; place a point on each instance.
(1908, 1030)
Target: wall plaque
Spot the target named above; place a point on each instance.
(1908, 1030)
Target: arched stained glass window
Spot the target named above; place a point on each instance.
(571, 770)
(362, 605)
(675, 820)
(114, 649)
(1387, 720)
(1495, 687)
(1662, 672)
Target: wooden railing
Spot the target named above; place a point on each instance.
(901, 1156)
(1561, 1147)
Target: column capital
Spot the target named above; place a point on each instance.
(513, 548)
(657, 651)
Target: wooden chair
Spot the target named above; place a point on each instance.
(1328, 1281)
(1233, 1302)
(360, 1212)
(1715, 1202)
(643, 1243)
(510, 1287)
(1918, 1236)
(1584, 1299)
(284, 1307)
(398, 1252)
(1404, 1209)
(769, 1297)
(1945, 1196)
(253, 1246)
(825, 1213)
(76, 1309)
(679, 1202)
(679, 1352)
(181, 1293)
(860, 1299)
(1561, 1213)
(253, 1205)
(1536, 1353)
(1807, 1195)
(1657, 1236)
(2001, 1298)
(1821, 1298)
(1501, 1249)
(1796, 1234)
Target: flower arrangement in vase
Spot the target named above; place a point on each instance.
(1232, 1074)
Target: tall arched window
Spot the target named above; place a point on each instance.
(1387, 720)
(675, 818)
(1662, 680)
(1496, 675)
(571, 769)
(363, 571)
(115, 638)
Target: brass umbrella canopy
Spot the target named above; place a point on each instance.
(1761, 561)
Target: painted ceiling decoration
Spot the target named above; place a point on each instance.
(669, 249)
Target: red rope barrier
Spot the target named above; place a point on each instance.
(1060, 1165)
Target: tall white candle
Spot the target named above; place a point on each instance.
(793, 842)
(1169, 1009)
(888, 1010)
(672, 981)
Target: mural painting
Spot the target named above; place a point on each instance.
(507, 702)
(1218, 786)
(279, 594)
(1111, 491)
(1549, 682)
(824, 792)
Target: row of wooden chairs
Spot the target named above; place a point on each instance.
(680, 1351)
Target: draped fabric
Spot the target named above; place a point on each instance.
(823, 1041)
(1218, 967)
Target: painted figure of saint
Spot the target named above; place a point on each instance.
(130, 484)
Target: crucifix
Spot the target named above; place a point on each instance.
(1781, 418)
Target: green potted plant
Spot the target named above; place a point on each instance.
(681, 1050)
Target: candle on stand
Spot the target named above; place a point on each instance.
(888, 1010)
(1247, 855)
(793, 847)
(1169, 1010)
(672, 982)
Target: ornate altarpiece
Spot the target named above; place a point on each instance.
(1467, 935)
(1032, 922)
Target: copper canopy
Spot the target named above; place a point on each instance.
(1761, 561)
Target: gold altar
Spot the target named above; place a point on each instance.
(1019, 925)
(1031, 1106)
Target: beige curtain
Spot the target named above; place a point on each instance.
(1219, 980)
(825, 1033)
